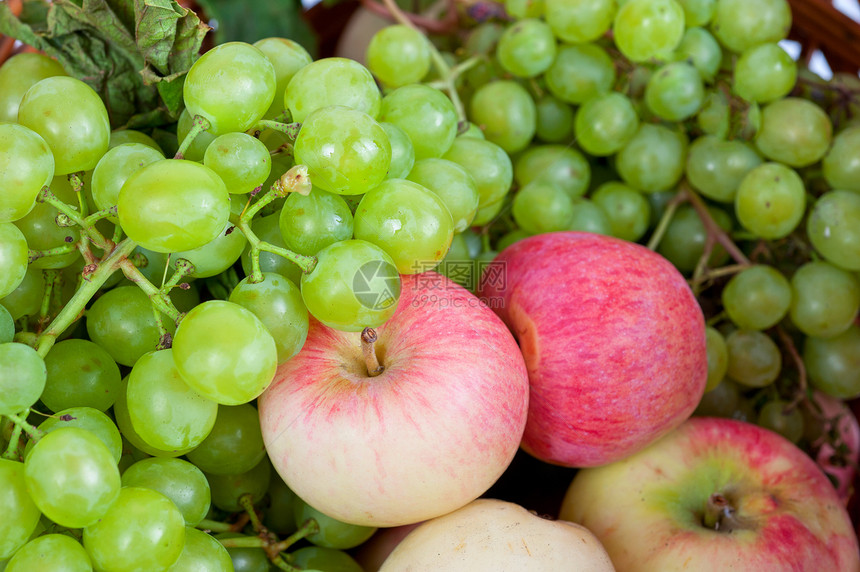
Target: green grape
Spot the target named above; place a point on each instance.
(525, 8)
(245, 559)
(564, 166)
(55, 552)
(315, 558)
(770, 200)
(123, 421)
(764, 73)
(20, 514)
(235, 444)
(757, 297)
(554, 120)
(243, 162)
(605, 124)
(653, 160)
(489, 213)
(577, 22)
(716, 167)
(721, 401)
(713, 118)
(775, 416)
(178, 480)
(232, 85)
(833, 364)
(215, 256)
(202, 553)
(471, 131)
(841, 164)
(268, 228)
(277, 302)
(122, 136)
(230, 369)
(198, 147)
(510, 238)
(580, 72)
(833, 228)
(26, 299)
(527, 48)
(142, 530)
(310, 223)
(333, 533)
(402, 152)
(490, 167)
(646, 29)
(754, 358)
(457, 264)
(684, 241)
(130, 454)
(408, 221)
(18, 74)
(542, 206)
(742, 24)
(80, 374)
(26, 165)
(115, 167)
(345, 150)
(279, 516)
(13, 258)
(22, 377)
(165, 412)
(824, 299)
(627, 209)
(287, 57)
(794, 131)
(506, 114)
(398, 55)
(173, 205)
(72, 477)
(228, 489)
(588, 217)
(41, 231)
(93, 420)
(425, 114)
(77, 134)
(354, 285)
(718, 358)
(332, 81)
(451, 183)
(675, 91)
(701, 49)
(7, 326)
(697, 12)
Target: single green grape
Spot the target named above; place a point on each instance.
(626, 208)
(646, 29)
(402, 152)
(794, 131)
(178, 480)
(577, 22)
(742, 24)
(18, 74)
(243, 162)
(278, 303)
(425, 114)
(268, 228)
(451, 183)
(80, 374)
(57, 552)
(754, 358)
(22, 377)
(506, 114)
(332, 533)
(824, 299)
(26, 165)
(93, 420)
(757, 297)
(228, 489)
(228, 369)
(78, 134)
(718, 357)
(72, 477)
(215, 256)
(654, 159)
(398, 55)
(524, 8)
(764, 73)
(841, 164)
(833, 228)
(716, 167)
(7, 326)
(408, 221)
(775, 415)
(354, 285)
(332, 82)
(684, 241)
(542, 206)
(279, 516)
(561, 165)
(675, 91)
(26, 299)
(310, 223)
(471, 131)
(605, 123)
(833, 364)
(20, 513)
(142, 530)
(232, 85)
(702, 50)
(345, 150)
(235, 444)
(318, 558)
(122, 136)
(588, 217)
(115, 167)
(553, 121)
(287, 57)
(13, 257)
(770, 200)
(721, 401)
(202, 553)
(527, 48)
(123, 422)
(490, 167)
(580, 72)
(697, 12)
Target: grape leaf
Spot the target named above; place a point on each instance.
(134, 53)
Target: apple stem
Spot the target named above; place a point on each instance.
(720, 515)
(368, 337)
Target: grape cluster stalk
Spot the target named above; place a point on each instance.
(149, 290)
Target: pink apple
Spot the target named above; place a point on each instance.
(428, 435)
(613, 339)
(715, 494)
(839, 421)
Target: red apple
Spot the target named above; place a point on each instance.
(715, 494)
(428, 435)
(613, 339)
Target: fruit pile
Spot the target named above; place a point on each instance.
(303, 300)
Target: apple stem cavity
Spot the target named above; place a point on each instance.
(368, 338)
(720, 515)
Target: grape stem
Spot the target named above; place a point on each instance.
(243, 542)
(157, 296)
(51, 277)
(310, 526)
(368, 338)
(199, 124)
(34, 255)
(672, 206)
(215, 526)
(11, 451)
(21, 422)
(291, 130)
(802, 384)
(46, 196)
(247, 502)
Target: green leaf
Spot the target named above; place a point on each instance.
(134, 53)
